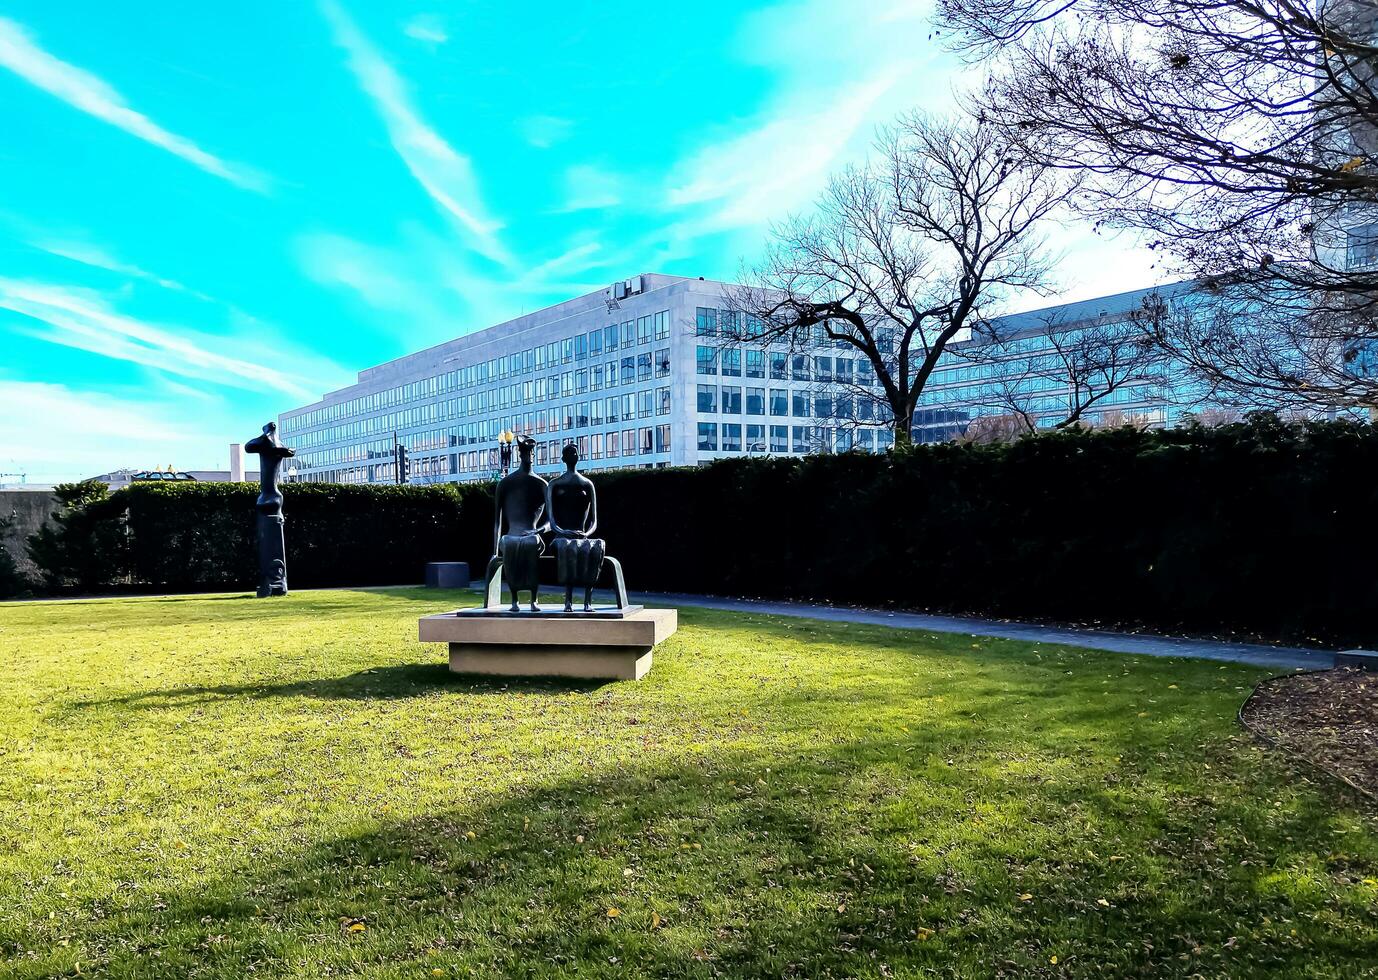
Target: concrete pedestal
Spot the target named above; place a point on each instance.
(606, 644)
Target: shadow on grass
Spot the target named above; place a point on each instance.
(394, 682)
(838, 861)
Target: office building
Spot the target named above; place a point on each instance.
(638, 375)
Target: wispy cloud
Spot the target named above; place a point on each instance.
(442, 171)
(103, 431)
(765, 172)
(588, 187)
(427, 27)
(94, 96)
(84, 319)
(544, 132)
(96, 257)
(840, 71)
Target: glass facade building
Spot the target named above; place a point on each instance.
(639, 375)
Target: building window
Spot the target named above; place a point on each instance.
(611, 404)
(801, 405)
(731, 401)
(708, 399)
(663, 362)
(823, 407)
(778, 361)
(644, 401)
(799, 367)
(629, 333)
(708, 436)
(779, 401)
(755, 364)
(707, 360)
(823, 368)
(581, 347)
(1361, 246)
(755, 438)
(662, 401)
(643, 366)
(732, 362)
(628, 370)
(595, 342)
(662, 438)
(596, 377)
(663, 325)
(755, 401)
(803, 442)
(614, 442)
(732, 437)
(596, 446)
(610, 344)
(612, 374)
(705, 322)
(643, 330)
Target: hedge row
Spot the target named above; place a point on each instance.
(1260, 527)
(184, 537)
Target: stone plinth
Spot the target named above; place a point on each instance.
(607, 644)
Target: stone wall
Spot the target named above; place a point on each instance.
(31, 508)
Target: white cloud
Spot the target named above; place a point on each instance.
(442, 171)
(84, 320)
(49, 430)
(96, 257)
(92, 95)
(778, 166)
(588, 187)
(841, 70)
(427, 27)
(544, 132)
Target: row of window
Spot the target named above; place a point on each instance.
(734, 437)
(641, 331)
(728, 400)
(782, 366)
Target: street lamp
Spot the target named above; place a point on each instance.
(292, 472)
(505, 439)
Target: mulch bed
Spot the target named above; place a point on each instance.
(1329, 718)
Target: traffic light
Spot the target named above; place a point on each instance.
(403, 464)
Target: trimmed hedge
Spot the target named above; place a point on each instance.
(1260, 527)
(187, 537)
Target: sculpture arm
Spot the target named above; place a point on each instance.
(593, 510)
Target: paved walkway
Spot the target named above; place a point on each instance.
(1145, 644)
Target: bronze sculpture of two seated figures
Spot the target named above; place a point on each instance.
(562, 514)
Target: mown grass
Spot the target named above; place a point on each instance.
(216, 786)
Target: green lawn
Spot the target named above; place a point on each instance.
(216, 786)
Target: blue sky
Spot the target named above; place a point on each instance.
(214, 212)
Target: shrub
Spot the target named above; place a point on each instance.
(196, 536)
(1259, 526)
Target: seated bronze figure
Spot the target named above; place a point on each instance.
(521, 505)
(571, 504)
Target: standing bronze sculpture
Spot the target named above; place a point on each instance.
(571, 504)
(272, 543)
(521, 505)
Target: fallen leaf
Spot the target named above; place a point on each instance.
(655, 920)
(614, 913)
(1025, 897)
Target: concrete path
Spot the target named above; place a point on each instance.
(1149, 645)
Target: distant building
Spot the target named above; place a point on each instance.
(117, 479)
(639, 376)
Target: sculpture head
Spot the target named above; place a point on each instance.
(570, 455)
(525, 447)
(268, 444)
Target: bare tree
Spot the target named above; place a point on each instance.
(1240, 137)
(904, 255)
(1053, 374)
